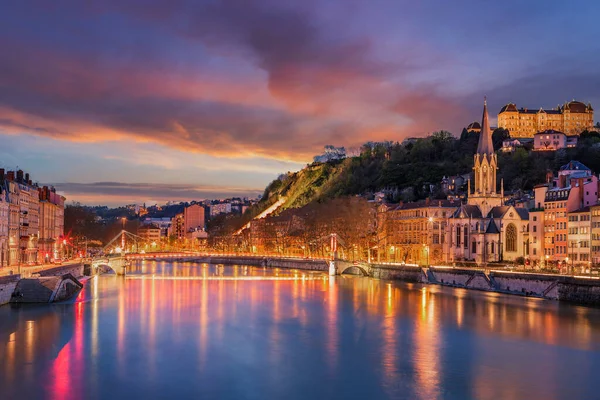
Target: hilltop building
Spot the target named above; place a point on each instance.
(571, 118)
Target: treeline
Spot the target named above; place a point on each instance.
(82, 221)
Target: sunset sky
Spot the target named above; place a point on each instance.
(117, 102)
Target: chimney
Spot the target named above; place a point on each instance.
(10, 175)
(581, 197)
(20, 176)
(27, 176)
(562, 181)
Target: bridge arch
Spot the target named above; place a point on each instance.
(353, 270)
(104, 269)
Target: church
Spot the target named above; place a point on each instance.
(484, 229)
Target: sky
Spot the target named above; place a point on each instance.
(131, 101)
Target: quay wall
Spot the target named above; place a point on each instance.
(405, 273)
(74, 269)
(7, 287)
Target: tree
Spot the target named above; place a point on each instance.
(498, 136)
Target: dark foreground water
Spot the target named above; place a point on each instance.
(207, 332)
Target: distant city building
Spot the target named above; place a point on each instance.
(571, 118)
(177, 227)
(220, 208)
(151, 233)
(194, 219)
(163, 223)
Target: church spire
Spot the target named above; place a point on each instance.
(485, 146)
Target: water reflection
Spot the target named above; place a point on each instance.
(190, 330)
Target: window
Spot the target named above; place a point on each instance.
(511, 238)
(474, 247)
(466, 237)
(458, 236)
(535, 228)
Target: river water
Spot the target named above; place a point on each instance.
(176, 331)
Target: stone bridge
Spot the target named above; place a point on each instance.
(107, 264)
(353, 268)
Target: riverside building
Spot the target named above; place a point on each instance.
(31, 220)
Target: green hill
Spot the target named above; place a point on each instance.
(406, 171)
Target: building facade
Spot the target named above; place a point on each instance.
(564, 202)
(571, 118)
(31, 220)
(150, 233)
(4, 212)
(193, 219)
(552, 140)
(51, 223)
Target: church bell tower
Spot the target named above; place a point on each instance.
(485, 165)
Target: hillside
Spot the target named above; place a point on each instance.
(405, 171)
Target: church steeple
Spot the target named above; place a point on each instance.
(485, 145)
(485, 164)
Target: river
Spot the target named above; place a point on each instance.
(177, 331)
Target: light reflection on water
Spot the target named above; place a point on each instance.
(200, 331)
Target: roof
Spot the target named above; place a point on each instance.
(426, 204)
(492, 228)
(576, 107)
(498, 212)
(574, 165)
(523, 213)
(558, 194)
(550, 132)
(572, 106)
(485, 145)
(585, 209)
(474, 125)
(470, 211)
(508, 107)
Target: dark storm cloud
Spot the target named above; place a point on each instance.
(274, 78)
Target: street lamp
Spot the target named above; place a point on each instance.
(86, 245)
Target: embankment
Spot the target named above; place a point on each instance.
(44, 286)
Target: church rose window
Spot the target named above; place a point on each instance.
(511, 238)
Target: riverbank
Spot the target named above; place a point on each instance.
(579, 290)
(41, 284)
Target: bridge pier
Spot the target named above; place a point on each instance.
(332, 268)
(121, 270)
